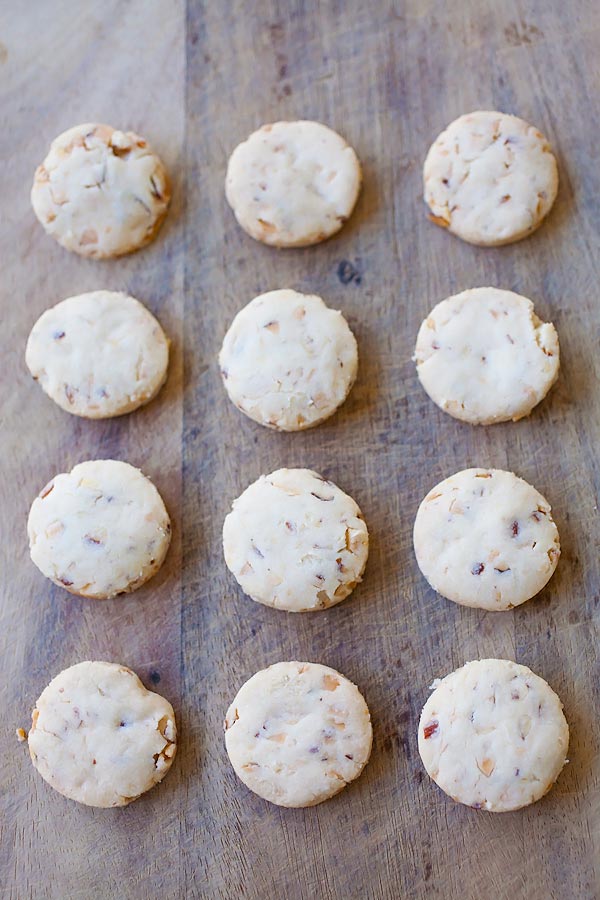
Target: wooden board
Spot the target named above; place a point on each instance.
(196, 81)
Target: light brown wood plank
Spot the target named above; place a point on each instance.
(124, 64)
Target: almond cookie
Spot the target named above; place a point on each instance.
(493, 735)
(100, 530)
(99, 737)
(295, 541)
(98, 355)
(288, 361)
(490, 178)
(291, 184)
(486, 538)
(297, 733)
(100, 192)
(483, 356)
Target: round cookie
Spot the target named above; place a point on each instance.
(493, 735)
(483, 356)
(292, 184)
(297, 733)
(100, 530)
(98, 355)
(490, 178)
(288, 361)
(295, 541)
(486, 538)
(99, 737)
(100, 192)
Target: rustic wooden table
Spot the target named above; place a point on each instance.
(196, 81)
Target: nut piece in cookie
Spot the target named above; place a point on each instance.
(99, 737)
(297, 733)
(100, 530)
(483, 356)
(493, 735)
(291, 184)
(490, 178)
(295, 541)
(486, 538)
(288, 361)
(100, 192)
(98, 355)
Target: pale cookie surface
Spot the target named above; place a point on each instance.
(297, 733)
(100, 192)
(486, 538)
(99, 737)
(100, 530)
(483, 356)
(295, 541)
(98, 355)
(493, 735)
(490, 178)
(288, 361)
(291, 184)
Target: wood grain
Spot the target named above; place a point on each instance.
(389, 77)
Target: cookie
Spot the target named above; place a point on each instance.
(490, 178)
(98, 355)
(486, 538)
(493, 735)
(99, 737)
(100, 192)
(291, 184)
(297, 733)
(483, 356)
(295, 541)
(100, 530)
(288, 361)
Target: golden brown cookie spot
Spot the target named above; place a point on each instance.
(89, 236)
(330, 682)
(47, 490)
(486, 766)
(439, 220)
(430, 729)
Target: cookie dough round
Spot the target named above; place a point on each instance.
(100, 192)
(292, 184)
(490, 178)
(486, 538)
(100, 530)
(288, 361)
(297, 733)
(98, 355)
(483, 356)
(99, 737)
(295, 541)
(493, 735)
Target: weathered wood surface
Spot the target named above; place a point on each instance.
(389, 77)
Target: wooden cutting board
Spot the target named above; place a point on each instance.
(195, 82)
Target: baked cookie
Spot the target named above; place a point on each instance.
(100, 192)
(98, 355)
(486, 538)
(288, 361)
(493, 735)
(490, 178)
(295, 541)
(297, 733)
(100, 530)
(291, 184)
(99, 737)
(483, 356)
